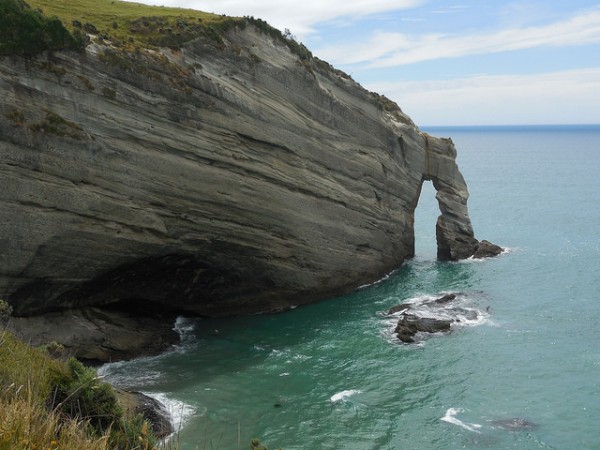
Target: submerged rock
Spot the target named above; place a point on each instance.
(514, 424)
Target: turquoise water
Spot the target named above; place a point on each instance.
(332, 376)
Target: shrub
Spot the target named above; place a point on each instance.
(109, 93)
(54, 349)
(79, 395)
(57, 125)
(288, 39)
(5, 308)
(26, 32)
(48, 404)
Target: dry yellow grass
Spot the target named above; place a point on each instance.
(32, 419)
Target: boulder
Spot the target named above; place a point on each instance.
(134, 403)
(486, 249)
(409, 325)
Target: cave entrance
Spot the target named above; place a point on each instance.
(426, 213)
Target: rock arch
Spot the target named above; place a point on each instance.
(454, 232)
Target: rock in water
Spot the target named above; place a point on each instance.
(431, 315)
(486, 249)
(409, 325)
(218, 179)
(135, 403)
(514, 424)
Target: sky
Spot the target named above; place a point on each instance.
(451, 62)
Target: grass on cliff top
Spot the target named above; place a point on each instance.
(133, 23)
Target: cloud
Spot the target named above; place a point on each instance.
(385, 49)
(298, 16)
(564, 97)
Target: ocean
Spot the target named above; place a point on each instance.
(525, 375)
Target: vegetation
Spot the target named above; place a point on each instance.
(5, 308)
(26, 32)
(287, 38)
(46, 403)
(17, 117)
(54, 404)
(57, 125)
(134, 24)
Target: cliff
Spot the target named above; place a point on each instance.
(229, 176)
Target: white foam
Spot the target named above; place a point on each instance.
(459, 311)
(505, 251)
(374, 283)
(184, 326)
(342, 396)
(450, 417)
(179, 412)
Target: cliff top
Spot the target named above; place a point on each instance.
(132, 23)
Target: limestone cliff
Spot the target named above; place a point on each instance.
(222, 178)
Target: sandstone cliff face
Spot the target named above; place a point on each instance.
(214, 180)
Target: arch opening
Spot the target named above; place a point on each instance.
(425, 216)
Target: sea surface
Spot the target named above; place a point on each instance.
(525, 375)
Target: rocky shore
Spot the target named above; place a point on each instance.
(98, 335)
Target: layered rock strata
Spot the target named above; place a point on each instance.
(217, 179)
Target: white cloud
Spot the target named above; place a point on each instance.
(298, 16)
(553, 98)
(395, 49)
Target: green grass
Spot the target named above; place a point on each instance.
(47, 403)
(128, 23)
(52, 404)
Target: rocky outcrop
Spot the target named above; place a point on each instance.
(137, 403)
(222, 178)
(427, 315)
(486, 249)
(98, 335)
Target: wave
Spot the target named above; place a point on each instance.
(450, 417)
(376, 282)
(342, 396)
(179, 412)
(460, 311)
(186, 327)
(505, 251)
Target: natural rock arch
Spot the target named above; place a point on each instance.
(454, 232)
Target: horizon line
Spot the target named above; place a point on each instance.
(525, 125)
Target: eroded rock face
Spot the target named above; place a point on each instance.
(98, 335)
(215, 180)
